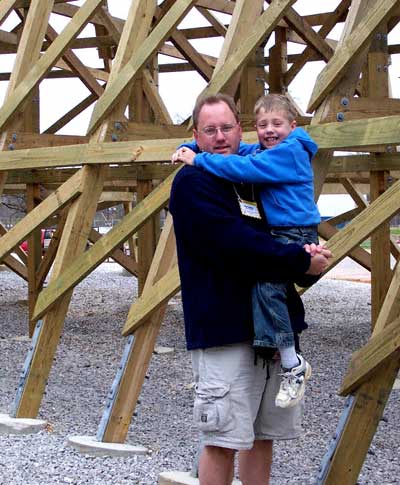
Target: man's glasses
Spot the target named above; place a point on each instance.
(213, 130)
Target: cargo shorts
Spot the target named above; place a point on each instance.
(235, 399)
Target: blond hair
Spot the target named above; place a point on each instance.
(275, 102)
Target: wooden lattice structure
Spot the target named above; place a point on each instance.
(66, 179)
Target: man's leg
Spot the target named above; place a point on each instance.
(255, 464)
(216, 466)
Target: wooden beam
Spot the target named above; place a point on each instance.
(190, 53)
(5, 8)
(156, 297)
(127, 262)
(377, 213)
(117, 86)
(47, 61)
(89, 260)
(351, 47)
(58, 199)
(71, 114)
(244, 16)
(77, 66)
(373, 354)
(262, 27)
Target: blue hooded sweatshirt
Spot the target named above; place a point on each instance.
(283, 172)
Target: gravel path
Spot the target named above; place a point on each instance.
(86, 361)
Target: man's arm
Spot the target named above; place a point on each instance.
(205, 220)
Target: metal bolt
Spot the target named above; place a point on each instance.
(14, 137)
(340, 116)
(114, 137)
(117, 125)
(389, 149)
(344, 101)
(11, 146)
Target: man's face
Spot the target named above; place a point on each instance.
(225, 140)
(273, 127)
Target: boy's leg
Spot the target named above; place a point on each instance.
(272, 325)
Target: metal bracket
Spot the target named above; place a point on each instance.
(327, 459)
(26, 368)
(114, 388)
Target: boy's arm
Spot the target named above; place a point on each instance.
(285, 163)
(244, 148)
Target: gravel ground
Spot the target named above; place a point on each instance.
(86, 361)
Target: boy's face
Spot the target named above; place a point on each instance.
(273, 127)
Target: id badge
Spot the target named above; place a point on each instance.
(249, 209)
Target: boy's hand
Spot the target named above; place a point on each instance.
(314, 249)
(319, 258)
(185, 155)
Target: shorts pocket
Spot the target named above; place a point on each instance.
(212, 407)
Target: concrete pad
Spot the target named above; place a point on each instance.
(182, 478)
(9, 425)
(90, 446)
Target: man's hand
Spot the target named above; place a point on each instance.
(319, 258)
(185, 155)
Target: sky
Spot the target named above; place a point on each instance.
(179, 91)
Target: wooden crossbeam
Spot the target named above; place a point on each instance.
(262, 27)
(132, 67)
(378, 212)
(127, 262)
(373, 354)
(16, 266)
(5, 8)
(90, 259)
(157, 296)
(348, 50)
(77, 66)
(308, 52)
(361, 133)
(47, 61)
(54, 202)
(71, 114)
(306, 32)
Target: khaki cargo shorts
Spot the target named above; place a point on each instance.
(235, 399)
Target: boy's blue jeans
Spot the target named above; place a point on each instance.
(272, 326)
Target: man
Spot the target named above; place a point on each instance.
(223, 249)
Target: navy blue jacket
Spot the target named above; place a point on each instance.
(221, 255)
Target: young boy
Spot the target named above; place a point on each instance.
(281, 165)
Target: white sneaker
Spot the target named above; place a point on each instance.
(293, 384)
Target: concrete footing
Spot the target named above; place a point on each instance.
(90, 446)
(9, 425)
(182, 478)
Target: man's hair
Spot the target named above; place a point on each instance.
(213, 99)
(275, 102)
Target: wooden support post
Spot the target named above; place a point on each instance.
(278, 62)
(34, 254)
(380, 251)
(134, 373)
(73, 242)
(147, 236)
